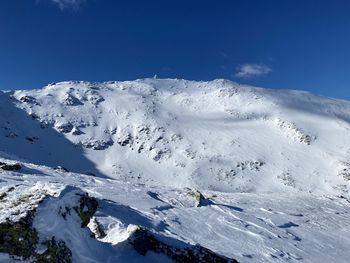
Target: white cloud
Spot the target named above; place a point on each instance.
(63, 4)
(252, 70)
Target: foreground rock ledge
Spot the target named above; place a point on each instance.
(21, 240)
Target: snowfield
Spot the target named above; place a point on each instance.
(162, 170)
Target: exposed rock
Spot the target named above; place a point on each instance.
(70, 100)
(158, 154)
(96, 228)
(32, 139)
(57, 252)
(64, 127)
(34, 116)
(19, 238)
(64, 212)
(10, 167)
(201, 200)
(77, 131)
(61, 169)
(124, 138)
(251, 165)
(98, 144)
(28, 99)
(295, 131)
(143, 241)
(345, 172)
(191, 154)
(86, 209)
(2, 196)
(94, 97)
(287, 179)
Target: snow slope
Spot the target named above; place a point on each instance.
(252, 174)
(248, 227)
(209, 135)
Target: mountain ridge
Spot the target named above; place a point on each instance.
(158, 123)
(173, 171)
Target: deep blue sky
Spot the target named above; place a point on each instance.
(298, 44)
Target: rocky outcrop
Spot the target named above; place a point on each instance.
(291, 130)
(199, 197)
(96, 228)
(57, 252)
(64, 127)
(98, 145)
(251, 165)
(86, 209)
(345, 171)
(10, 167)
(29, 100)
(144, 241)
(20, 239)
(71, 100)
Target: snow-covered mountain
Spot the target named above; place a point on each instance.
(249, 174)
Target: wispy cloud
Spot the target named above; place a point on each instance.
(252, 70)
(64, 4)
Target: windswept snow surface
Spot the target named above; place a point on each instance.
(248, 227)
(272, 165)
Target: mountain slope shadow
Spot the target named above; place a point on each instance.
(22, 136)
